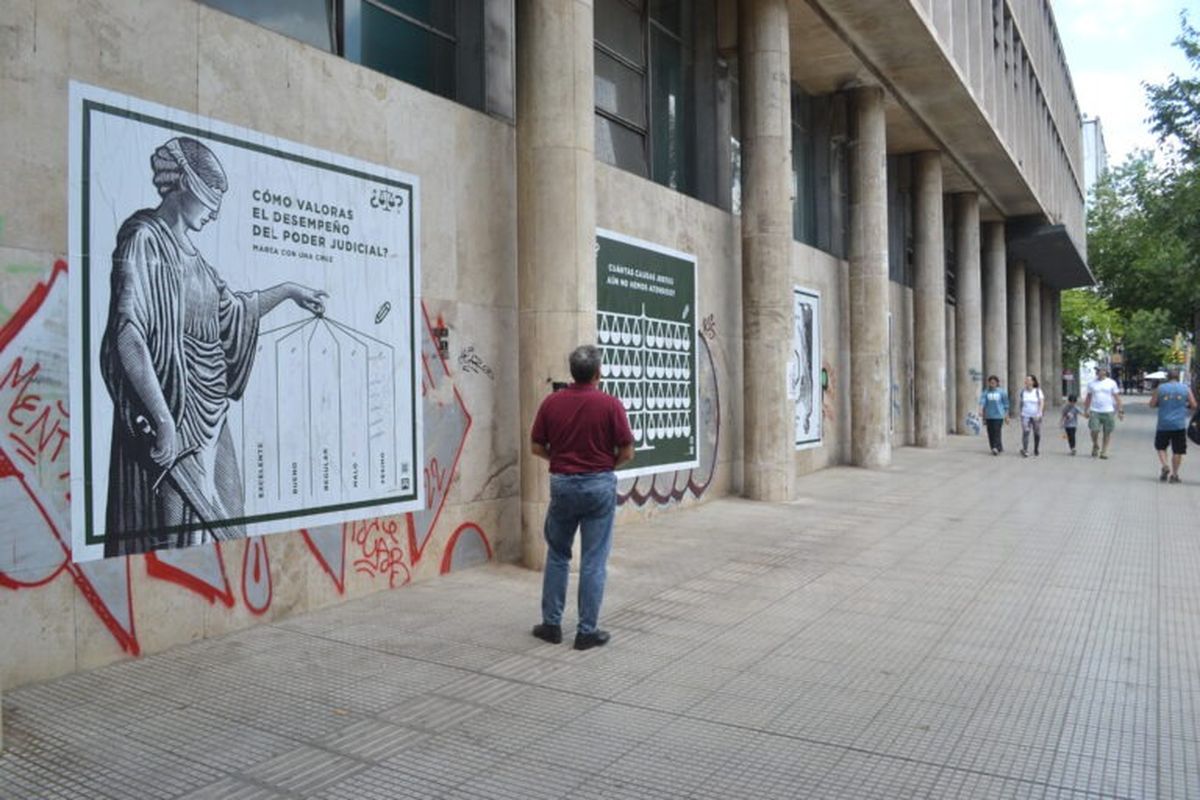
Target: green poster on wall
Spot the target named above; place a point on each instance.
(646, 325)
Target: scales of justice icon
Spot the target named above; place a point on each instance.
(319, 418)
(648, 367)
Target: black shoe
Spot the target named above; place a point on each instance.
(995, 452)
(1175, 479)
(548, 633)
(586, 641)
(1166, 473)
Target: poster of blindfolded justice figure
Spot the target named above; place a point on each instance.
(233, 370)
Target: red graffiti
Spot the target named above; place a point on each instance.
(35, 453)
(338, 575)
(379, 551)
(257, 588)
(42, 428)
(157, 568)
(453, 542)
(437, 480)
(39, 432)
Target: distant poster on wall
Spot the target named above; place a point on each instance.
(243, 331)
(646, 325)
(804, 369)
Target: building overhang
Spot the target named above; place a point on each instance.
(905, 55)
(1049, 252)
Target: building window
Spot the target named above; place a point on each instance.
(821, 204)
(901, 247)
(655, 86)
(436, 45)
(311, 21)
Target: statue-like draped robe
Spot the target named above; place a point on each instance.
(201, 338)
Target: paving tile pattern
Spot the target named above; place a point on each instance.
(959, 626)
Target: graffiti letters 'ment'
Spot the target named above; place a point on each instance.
(39, 427)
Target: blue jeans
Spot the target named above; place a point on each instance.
(587, 502)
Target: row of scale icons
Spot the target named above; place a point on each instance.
(649, 426)
(627, 330)
(634, 396)
(655, 366)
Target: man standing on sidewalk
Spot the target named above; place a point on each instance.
(585, 435)
(1102, 407)
(1174, 401)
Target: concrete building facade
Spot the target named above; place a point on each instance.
(882, 201)
(1095, 154)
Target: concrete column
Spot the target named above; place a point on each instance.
(1016, 331)
(1033, 326)
(929, 301)
(556, 229)
(766, 247)
(951, 362)
(870, 402)
(995, 298)
(969, 307)
(1046, 370)
(1057, 355)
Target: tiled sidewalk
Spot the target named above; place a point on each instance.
(959, 626)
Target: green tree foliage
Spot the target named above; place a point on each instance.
(1176, 103)
(1090, 327)
(1144, 223)
(1143, 241)
(1147, 340)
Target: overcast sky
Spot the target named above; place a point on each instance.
(1113, 46)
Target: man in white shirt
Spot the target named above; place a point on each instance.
(1102, 407)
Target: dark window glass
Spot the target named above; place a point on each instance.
(437, 14)
(900, 240)
(620, 146)
(670, 111)
(620, 90)
(407, 52)
(674, 15)
(619, 28)
(949, 248)
(306, 20)
(804, 184)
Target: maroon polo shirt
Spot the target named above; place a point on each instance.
(581, 426)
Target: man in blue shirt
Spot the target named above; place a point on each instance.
(1175, 402)
(993, 407)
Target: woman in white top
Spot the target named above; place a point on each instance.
(1033, 405)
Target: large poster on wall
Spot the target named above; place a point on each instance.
(646, 325)
(243, 331)
(804, 369)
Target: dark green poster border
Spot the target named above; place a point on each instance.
(90, 106)
(636, 303)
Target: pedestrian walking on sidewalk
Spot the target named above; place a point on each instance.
(993, 407)
(584, 434)
(1033, 406)
(1102, 407)
(1070, 421)
(1175, 403)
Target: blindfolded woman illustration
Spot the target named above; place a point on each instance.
(177, 349)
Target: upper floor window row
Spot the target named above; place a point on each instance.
(436, 45)
(656, 94)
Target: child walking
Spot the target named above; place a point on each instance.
(1070, 421)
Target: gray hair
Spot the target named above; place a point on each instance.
(585, 363)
